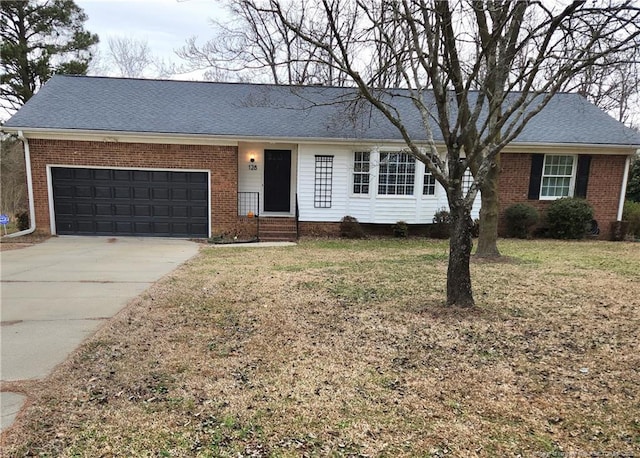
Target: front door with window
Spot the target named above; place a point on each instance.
(277, 180)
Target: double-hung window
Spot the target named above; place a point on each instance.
(429, 185)
(557, 176)
(397, 174)
(361, 161)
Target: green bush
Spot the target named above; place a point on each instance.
(350, 228)
(400, 229)
(631, 213)
(441, 227)
(520, 220)
(569, 218)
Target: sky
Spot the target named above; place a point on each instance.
(165, 24)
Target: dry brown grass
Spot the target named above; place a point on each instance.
(339, 348)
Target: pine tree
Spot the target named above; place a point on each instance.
(40, 39)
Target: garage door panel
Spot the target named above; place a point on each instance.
(160, 193)
(123, 227)
(103, 210)
(198, 211)
(122, 175)
(83, 191)
(102, 174)
(130, 202)
(64, 208)
(102, 192)
(104, 227)
(63, 190)
(160, 210)
(180, 177)
(162, 177)
(82, 209)
(141, 193)
(139, 175)
(179, 194)
(180, 211)
(122, 210)
(198, 178)
(197, 194)
(120, 192)
(141, 210)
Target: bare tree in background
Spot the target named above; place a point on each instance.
(255, 46)
(445, 50)
(130, 57)
(13, 176)
(613, 84)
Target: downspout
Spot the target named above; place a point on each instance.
(32, 212)
(623, 188)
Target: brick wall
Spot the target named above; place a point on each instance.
(603, 191)
(222, 161)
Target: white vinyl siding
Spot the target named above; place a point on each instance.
(368, 208)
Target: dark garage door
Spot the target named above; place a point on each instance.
(130, 202)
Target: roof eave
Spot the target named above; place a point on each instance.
(114, 136)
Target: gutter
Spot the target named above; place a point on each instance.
(32, 212)
(232, 139)
(623, 188)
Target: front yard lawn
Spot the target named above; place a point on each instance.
(343, 348)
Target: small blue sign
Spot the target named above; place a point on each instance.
(4, 219)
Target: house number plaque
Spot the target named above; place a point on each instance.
(253, 166)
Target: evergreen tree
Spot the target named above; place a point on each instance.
(40, 39)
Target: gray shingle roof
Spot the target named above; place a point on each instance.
(270, 111)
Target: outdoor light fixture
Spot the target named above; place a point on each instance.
(253, 159)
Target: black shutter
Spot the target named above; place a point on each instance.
(582, 175)
(535, 178)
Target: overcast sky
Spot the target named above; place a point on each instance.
(165, 24)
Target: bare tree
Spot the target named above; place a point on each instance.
(130, 57)
(613, 84)
(255, 46)
(445, 50)
(13, 176)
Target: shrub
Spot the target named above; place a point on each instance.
(22, 220)
(631, 213)
(569, 218)
(442, 216)
(350, 228)
(400, 229)
(441, 228)
(520, 220)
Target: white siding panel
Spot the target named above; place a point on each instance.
(253, 180)
(416, 209)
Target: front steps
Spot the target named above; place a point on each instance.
(274, 229)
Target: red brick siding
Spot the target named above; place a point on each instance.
(222, 161)
(603, 191)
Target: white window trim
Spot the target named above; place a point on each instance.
(360, 195)
(572, 180)
(416, 177)
(52, 213)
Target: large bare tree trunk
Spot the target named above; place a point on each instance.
(489, 214)
(459, 293)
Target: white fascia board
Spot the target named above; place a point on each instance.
(205, 139)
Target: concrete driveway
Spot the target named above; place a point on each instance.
(57, 293)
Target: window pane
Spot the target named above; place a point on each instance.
(396, 174)
(360, 172)
(556, 176)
